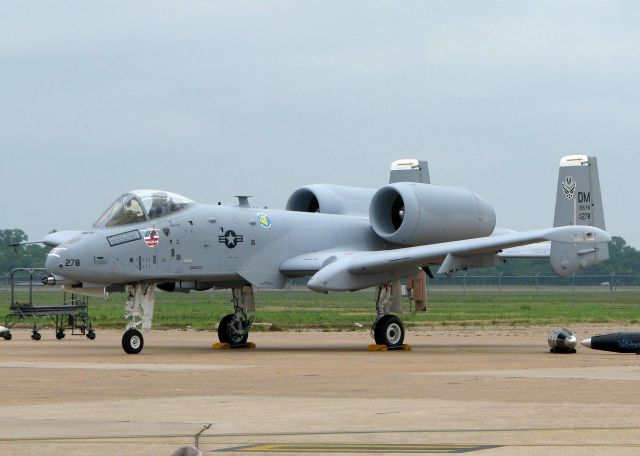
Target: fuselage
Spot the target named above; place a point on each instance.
(222, 245)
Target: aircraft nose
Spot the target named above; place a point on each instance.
(54, 261)
(587, 342)
(57, 266)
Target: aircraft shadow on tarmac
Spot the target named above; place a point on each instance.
(422, 348)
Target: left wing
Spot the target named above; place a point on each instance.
(52, 239)
(580, 246)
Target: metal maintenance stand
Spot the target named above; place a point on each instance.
(72, 314)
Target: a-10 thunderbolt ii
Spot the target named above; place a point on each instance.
(343, 238)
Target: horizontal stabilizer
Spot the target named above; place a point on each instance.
(568, 258)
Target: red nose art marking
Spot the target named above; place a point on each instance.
(151, 237)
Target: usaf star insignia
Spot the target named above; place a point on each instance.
(230, 239)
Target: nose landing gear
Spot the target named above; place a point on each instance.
(132, 341)
(139, 312)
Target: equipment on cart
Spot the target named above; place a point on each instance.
(72, 313)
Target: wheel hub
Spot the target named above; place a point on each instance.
(393, 333)
(135, 342)
(237, 330)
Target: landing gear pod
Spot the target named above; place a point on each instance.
(562, 341)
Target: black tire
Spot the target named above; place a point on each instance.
(389, 331)
(8, 336)
(132, 341)
(223, 329)
(36, 336)
(59, 335)
(236, 340)
(91, 334)
(226, 336)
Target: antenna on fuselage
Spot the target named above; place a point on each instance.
(243, 200)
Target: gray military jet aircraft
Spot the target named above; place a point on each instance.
(343, 238)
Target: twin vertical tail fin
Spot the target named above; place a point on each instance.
(578, 202)
(578, 198)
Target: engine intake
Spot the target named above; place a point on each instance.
(331, 199)
(416, 214)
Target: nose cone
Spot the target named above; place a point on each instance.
(587, 342)
(54, 260)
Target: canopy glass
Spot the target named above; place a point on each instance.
(142, 205)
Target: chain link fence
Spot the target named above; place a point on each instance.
(469, 283)
(538, 283)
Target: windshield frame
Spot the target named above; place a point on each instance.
(176, 201)
(112, 210)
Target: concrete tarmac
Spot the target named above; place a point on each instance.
(486, 391)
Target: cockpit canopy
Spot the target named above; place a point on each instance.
(140, 206)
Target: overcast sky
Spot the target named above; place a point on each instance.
(216, 98)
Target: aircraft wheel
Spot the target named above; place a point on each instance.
(389, 331)
(91, 334)
(132, 341)
(223, 329)
(236, 338)
(35, 335)
(59, 335)
(227, 334)
(7, 336)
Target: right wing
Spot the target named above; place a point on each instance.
(539, 250)
(351, 271)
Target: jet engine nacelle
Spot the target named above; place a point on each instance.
(416, 214)
(331, 199)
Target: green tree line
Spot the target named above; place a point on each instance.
(623, 263)
(623, 260)
(21, 256)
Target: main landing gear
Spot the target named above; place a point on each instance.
(139, 312)
(387, 329)
(234, 328)
(132, 341)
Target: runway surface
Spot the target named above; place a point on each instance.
(485, 391)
